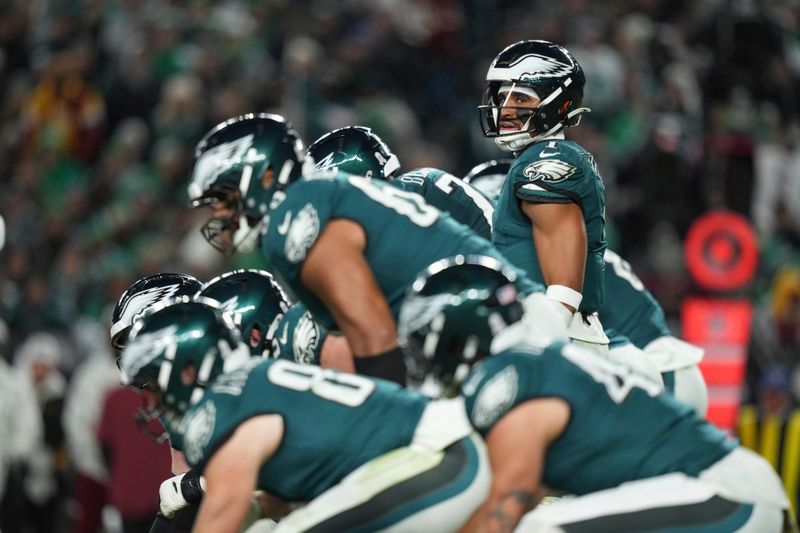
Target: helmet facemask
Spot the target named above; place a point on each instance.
(241, 169)
(234, 231)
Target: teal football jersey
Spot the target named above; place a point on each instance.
(405, 235)
(298, 337)
(630, 309)
(452, 195)
(620, 428)
(333, 422)
(553, 171)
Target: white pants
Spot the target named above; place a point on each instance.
(741, 492)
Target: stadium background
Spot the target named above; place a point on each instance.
(695, 107)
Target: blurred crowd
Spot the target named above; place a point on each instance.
(695, 106)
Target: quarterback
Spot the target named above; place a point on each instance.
(550, 215)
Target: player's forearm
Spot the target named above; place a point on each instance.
(502, 512)
(369, 338)
(562, 259)
(224, 512)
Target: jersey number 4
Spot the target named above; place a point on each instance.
(346, 389)
(617, 378)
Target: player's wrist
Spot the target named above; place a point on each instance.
(561, 296)
(565, 295)
(193, 486)
(389, 365)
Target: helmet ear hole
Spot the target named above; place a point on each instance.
(188, 373)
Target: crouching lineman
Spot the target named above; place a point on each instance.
(561, 416)
(302, 433)
(137, 298)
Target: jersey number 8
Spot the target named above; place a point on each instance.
(346, 389)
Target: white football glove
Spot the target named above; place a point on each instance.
(179, 491)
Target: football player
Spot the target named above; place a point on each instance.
(347, 246)
(550, 217)
(633, 320)
(273, 328)
(358, 150)
(184, 485)
(561, 416)
(302, 433)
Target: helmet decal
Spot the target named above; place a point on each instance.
(150, 345)
(211, 163)
(540, 66)
(141, 301)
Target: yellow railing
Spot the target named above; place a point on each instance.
(765, 436)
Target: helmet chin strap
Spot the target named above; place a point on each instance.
(245, 238)
(515, 142)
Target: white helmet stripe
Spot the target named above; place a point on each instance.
(244, 182)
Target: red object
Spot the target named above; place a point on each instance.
(722, 328)
(91, 497)
(721, 251)
(137, 464)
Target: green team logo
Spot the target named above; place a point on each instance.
(302, 233)
(197, 429)
(549, 170)
(306, 339)
(495, 398)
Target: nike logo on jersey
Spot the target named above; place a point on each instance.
(284, 334)
(283, 227)
(547, 154)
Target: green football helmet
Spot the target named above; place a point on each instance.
(489, 177)
(255, 303)
(356, 150)
(540, 69)
(176, 351)
(230, 163)
(143, 293)
(451, 314)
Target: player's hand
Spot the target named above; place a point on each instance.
(179, 491)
